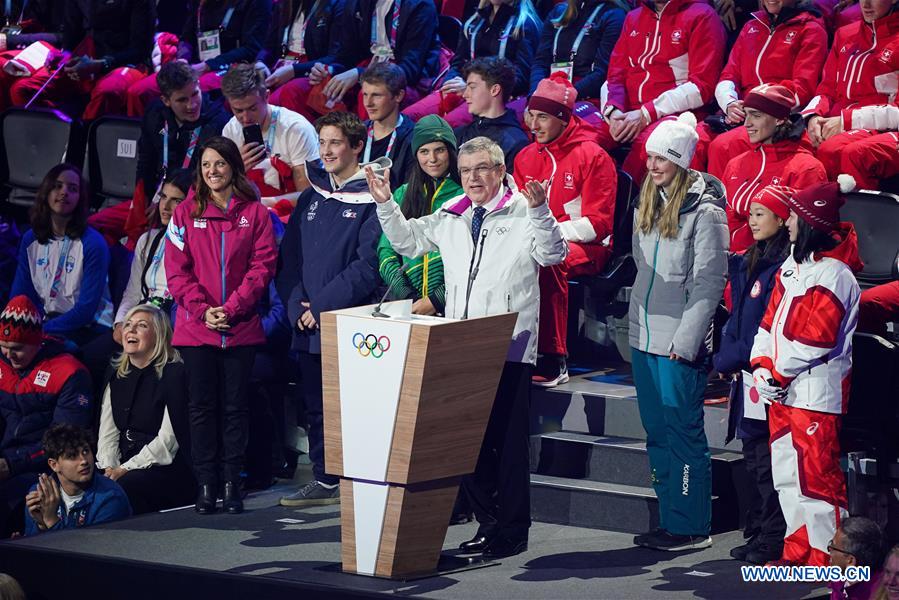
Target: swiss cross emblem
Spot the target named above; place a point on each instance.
(42, 378)
(569, 181)
(790, 36)
(676, 36)
(886, 55)
(775, 181)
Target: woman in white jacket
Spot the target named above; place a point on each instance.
(501, 237)
(147, 282)
(802, 361)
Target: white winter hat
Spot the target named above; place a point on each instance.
(675, 139)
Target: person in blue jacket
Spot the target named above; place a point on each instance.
(74, 496)
(328, 260)
(752, 279)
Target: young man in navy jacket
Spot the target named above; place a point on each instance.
(328, 261)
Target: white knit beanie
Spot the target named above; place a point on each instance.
(675, 139)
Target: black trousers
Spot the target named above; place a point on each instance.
(311, 379)
(159, 488)
(765, 516)
(499, 489)
(218, 410)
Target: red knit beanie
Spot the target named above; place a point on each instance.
(819, 204)
(21, 322)
(775, 198)
(775, 100)
(554, 96)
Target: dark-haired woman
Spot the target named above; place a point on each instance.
(751, 276)
(778, 157)
(63, 263)
(148, 282)
(802, 361)
(220, 256)
(431, 183)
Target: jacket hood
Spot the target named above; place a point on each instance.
(706, 189)
(847, 250)
(354, 190)
(575, 133)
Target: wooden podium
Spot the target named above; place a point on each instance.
(406, 403)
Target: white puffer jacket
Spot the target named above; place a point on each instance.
(805, 338)
(519, 240)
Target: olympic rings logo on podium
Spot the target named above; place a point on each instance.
(371, 345)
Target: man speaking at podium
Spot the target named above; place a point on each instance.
(493, 240)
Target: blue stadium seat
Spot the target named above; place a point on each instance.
(112, 159)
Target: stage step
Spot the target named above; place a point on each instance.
(606, 506)
(602, 482)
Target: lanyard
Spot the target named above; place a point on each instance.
(395, 24)
(270, 142)
(60, 266)
(503, 40)
(588, 24)
(437, 192)
(371, 136)
(225, 21)
(191, 146)
(155, 262)
(306, 18)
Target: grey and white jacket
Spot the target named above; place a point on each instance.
(680, 281)
(518, 241)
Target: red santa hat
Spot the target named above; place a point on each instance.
(776, 199)
(819, 204)
(554, 96)
(21, 322)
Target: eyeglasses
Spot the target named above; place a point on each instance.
(478, 171)
(831, 548)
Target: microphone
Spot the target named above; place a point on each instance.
(377, 311)
(473, 270)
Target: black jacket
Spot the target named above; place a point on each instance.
(240, 41)
(417, 50)
(592, 60)
(400, 154)
(149, 147)
(44, 20)
(321, 39)
(504, 130)
(487, 41)
(122, 30)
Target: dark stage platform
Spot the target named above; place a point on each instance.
(275, 552)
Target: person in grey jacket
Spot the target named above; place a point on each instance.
(680, 246)
(515, 234)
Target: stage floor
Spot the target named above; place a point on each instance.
(271, 549)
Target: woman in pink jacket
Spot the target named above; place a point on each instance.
(220, 259)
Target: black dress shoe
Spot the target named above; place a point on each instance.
(476, 544)
(205, 499)
(231, 500)
(504, 547)
(740, 552)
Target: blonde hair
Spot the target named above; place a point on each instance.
(654, 212)
(163, 351)
(881, 593)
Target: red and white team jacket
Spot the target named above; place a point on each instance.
(862, 70)
(786, 162)
(794, 50)
(805, 337)
(665, 63)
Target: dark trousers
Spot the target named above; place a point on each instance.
(218, 410)
(311, 379)
(159, 488)
(765, 515)
(499, 489)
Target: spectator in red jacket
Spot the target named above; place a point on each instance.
(859, 78)
(581, 184)
(666, 61)
(784, 42)
(777, 157)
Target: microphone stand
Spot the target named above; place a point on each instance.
(377, 311)
(473, 270)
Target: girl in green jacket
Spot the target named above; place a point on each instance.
(429, 184)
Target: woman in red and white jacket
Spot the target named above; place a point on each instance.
(859, 75)
(785, 42)
(666, 61)
(220, 256)
(777, 157)
(802, 361)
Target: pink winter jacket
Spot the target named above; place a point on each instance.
(221, 259)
